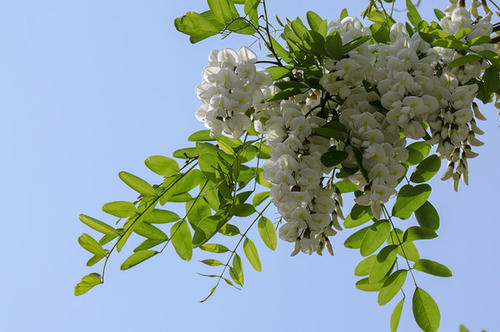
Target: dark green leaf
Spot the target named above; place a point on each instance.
(355, 43)
(120, 209)
(343, 14)
(427, 216)
(243, 210)
(206, 228)
(333, 45)
(409, 199)
(180, 236)
(491, 79)
(252, 255)
(391, 286)
(426, 169)
(333, 157)
(439, 14)
(268, 233)
(162, 165)
(425, 311)
(396, 315)
(418, 233)
(98, 225)
(137, 184)
(431, 267)
(136, 258)
(87, 282)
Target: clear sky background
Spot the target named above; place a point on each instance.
(90, 88)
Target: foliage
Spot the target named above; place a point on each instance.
(331, 115)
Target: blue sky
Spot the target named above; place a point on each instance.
(90, 88)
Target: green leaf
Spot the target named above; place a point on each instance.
(252, 255)
(406, 249)
(211, 262)
(137, 184)
(425, 311)
(391, 286)
(209, 294)
(413, 15)
(426, 169)
(278, 72)
(333, 45)
(385, 260)
(409, 199)
(243, 210)
(285, 94)
(201, 135)
(491, 79)
(206, 228)
(87, 282)
(198, 26)
(120, 209)
(364, 267)
(431, 267)
(98, 225)
(158, 216)
(359, 215)
(462, 328)
(186, 153)
(374, 237)
(354, 43)
(417, 152)
(148, 244)
(136, 258)
(343, 14)
(439, 14)
(354, 241)
(418, 233)
(222, 10)
(236, 271)
(282, 53)
(162, 165)
(330, 132)
(480, 40)
(463, 60)
(91, 245)
(267, 233)
(215, 248)
(94, 260)
(149, 231)
(427, 216)
(367, 286)
(259, 198)
(333, 157)
(229, 230)
(396, 315)
(180, 236)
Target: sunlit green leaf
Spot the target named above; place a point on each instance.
(374, 237)
(87, 282)
(425, 311)
(236, 271)
(358, 216)
(426, 169)
(391, 286)
(367, 286)
(396, 315)
(162, 165)
(418, 233)
(431, 267)
(268, 233)
(136, 258)
(91, 245)
(409, 199)
(251, 254)
(149, 231)
(120, 209)
(201, 135)
(180, 236)
(158, 216)
(211, 262)
(98, 225)
(137, 184)
(364, 267)
(215, 248)
(385, 260)
(417, 152)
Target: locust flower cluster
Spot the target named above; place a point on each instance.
(383, 94)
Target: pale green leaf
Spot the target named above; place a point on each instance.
(251, 254)
(180, 236)
(391, 286)
(98, 225)
(136, 258)
(268, 233)
(162, 165)
(87, 282)
(120, 209)
(137, 184)
(396, 315)
(409, 199)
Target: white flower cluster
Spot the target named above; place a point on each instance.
(231, 85)
(383, 93)
(296, 172)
